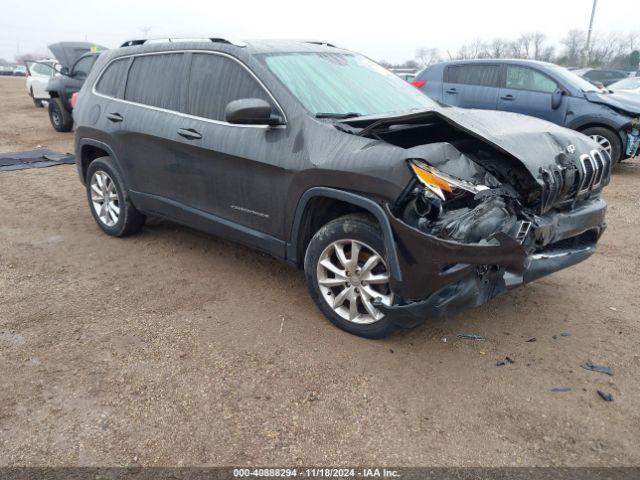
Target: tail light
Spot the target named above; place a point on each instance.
(419, 83)
(74, 100)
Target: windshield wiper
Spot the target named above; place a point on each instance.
(338, 115)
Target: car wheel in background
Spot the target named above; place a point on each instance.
(60, 118)
(109, 200)
(36, 102)
(346, 270)
(608, 140)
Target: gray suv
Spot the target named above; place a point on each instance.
(542, 90)
(396, 208)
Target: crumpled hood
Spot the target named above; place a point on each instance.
(536, 143)
(625, 101)
(68, 52)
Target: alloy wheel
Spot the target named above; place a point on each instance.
(603, 142)
(352, 276)
(104, 198)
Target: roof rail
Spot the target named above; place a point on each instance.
(320, 42)
(142, 41)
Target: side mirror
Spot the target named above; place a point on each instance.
(556, 98)
(64, 71)
(250, 111)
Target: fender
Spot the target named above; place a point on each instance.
(101, 145)
(580, 122)
(372, 207)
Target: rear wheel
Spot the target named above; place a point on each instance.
(109, 201)
(347, 275)
(608, 140)
(59, 116)
(36, 102)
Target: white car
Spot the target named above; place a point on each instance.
(631, 84)
(39, 73)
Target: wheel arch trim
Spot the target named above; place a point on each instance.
(98, 144)
(365, 203)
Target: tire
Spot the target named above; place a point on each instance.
(36, 102)
(342, 233)
(122, 220)
(59, 116)
(600, 135)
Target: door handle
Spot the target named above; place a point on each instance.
(115, 117)
(508, 97)
(452, 91)
(189, 133)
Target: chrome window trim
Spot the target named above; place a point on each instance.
(186, 115)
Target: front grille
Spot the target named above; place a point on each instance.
(568, 182)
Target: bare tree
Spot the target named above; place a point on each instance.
(427, 56)
(574, 44)
(498, 48)
(475, 49)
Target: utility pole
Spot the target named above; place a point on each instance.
(588, 44)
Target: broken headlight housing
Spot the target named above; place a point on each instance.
(444, 186)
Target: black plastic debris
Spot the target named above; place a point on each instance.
(506, 361)
(607, 397)
(560, 389)
(470, 336)
(531, 340)
(565, 334)
(39, 158)
(588, 365)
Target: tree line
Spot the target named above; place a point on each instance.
(616, 49)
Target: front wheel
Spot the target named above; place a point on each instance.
(347, 275)
(608, 140)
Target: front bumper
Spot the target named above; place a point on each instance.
(441, 277)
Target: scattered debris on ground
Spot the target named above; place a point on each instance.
(470, 336)
(531, 340)
(588, 365)
(560, 389)
(506, 361)
(607, 397)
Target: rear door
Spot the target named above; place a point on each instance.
(147, 124)
(472, 85)
(530, 92)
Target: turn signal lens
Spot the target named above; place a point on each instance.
(428, 178)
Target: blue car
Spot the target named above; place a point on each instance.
(542, 90)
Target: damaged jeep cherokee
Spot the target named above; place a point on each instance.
(398, 208)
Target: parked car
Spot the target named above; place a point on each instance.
(396, 207)
(38, 74)
(6, 70)
(541, 90)
(627, 85)
(604, 76)
(20, 71)
(407, 74)
(76, 60)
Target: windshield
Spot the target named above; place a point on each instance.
(574, 80)
(626, 84)
(344, 84)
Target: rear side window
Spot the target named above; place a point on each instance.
(523, 78)
(215, 81)
(156, 80)
(112, 78)
(482, 75)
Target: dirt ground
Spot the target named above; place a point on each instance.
(175, 348)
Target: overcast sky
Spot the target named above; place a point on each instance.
(382, 30)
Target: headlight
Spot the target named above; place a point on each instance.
(439, 182)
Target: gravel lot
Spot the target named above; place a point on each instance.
(175, 348)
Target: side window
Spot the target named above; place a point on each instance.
(83, 66)
(41, 69)
(112, 78)
(523, 78)
(481, 75)
(156, 80)
(215, 81)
